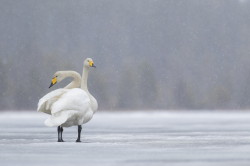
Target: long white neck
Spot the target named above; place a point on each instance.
(76, 82)
(84, 83)
(84, 86)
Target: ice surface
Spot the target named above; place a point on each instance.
(151, 138)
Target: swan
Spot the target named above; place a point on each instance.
(45, 102)
(72, 107)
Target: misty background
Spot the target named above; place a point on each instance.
(150, 54)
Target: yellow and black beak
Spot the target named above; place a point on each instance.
(53, 82)
(91, 64)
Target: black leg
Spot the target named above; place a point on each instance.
(79, 133)
(60, 131)
(61, 135)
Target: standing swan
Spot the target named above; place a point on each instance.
(73, 106)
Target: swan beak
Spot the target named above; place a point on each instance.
(53, 82)
(91, 64)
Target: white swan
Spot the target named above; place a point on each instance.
(45, 102)
(72, 106)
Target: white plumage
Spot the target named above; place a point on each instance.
(68, 107)
(73, 108)
(45, 103)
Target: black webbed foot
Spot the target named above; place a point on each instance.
(78, 140)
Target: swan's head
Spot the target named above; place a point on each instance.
(89, 62)
(58, 77)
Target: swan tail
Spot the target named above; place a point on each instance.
(52, 122)
(59, 118)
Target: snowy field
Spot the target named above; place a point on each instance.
(117, 139)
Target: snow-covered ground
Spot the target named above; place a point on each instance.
(151, 138)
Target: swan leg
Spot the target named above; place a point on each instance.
(79, 133)
(61, 135)
(60, 130)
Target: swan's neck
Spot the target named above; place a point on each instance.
(76, 82)
(84, 86)
(84, 83)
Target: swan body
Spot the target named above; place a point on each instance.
(70, 107)
(73, 108)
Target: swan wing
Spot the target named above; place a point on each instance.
(74, 99)
(73, 108)
(46, 102)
